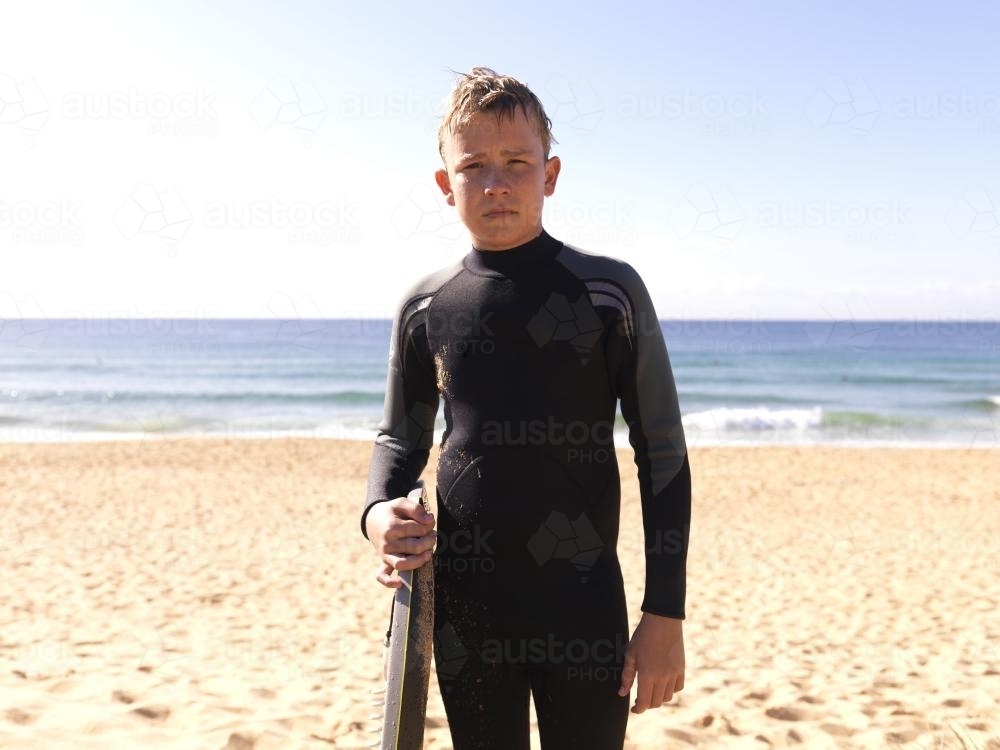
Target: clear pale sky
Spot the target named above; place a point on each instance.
(706, 199)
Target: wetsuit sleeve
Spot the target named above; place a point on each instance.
(406, 432)
(645, 385)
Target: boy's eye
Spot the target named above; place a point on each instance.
(475, 164)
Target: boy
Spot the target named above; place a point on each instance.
(530, 343)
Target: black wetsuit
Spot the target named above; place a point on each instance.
(530, 350)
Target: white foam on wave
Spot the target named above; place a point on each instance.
(753, 419)
(728, 428)
(747, 426)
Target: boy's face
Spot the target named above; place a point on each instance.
(497, 178)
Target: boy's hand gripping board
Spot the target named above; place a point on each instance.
(409, 646)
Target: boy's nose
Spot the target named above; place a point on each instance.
(496, 184)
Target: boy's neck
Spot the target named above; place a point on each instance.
(538, 233)
(534, 253)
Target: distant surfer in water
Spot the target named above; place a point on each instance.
(530, 344)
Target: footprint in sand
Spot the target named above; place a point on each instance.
(265, 741)
(17, 716)
(902, 736)
(154, 713)
(239, 742)
(786, 713)
(836, 730)
(120, 696)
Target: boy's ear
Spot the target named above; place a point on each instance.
(552, 167)
(441, 178)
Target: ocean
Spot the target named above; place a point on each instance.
(808, 382)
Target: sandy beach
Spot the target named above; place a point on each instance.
(218, 594)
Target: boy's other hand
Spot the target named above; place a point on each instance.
(656, 653)
(402, 532)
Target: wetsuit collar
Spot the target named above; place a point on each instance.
(532, 253)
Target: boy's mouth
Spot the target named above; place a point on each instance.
(498, 212)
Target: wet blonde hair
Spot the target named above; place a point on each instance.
(483, 90)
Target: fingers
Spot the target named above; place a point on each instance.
(392, 563)
(644, 695)
(419, 539)
(408, 562)
(661, 692)
(389, 516)
(410, 531)
(392, 532)
(410, 509)
(385, 577)
(654, 693)
(628, 674)
(400, 529)
(402, 532)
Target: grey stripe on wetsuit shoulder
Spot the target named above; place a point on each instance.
(612, 282)
(405, 432)
(602, 292)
